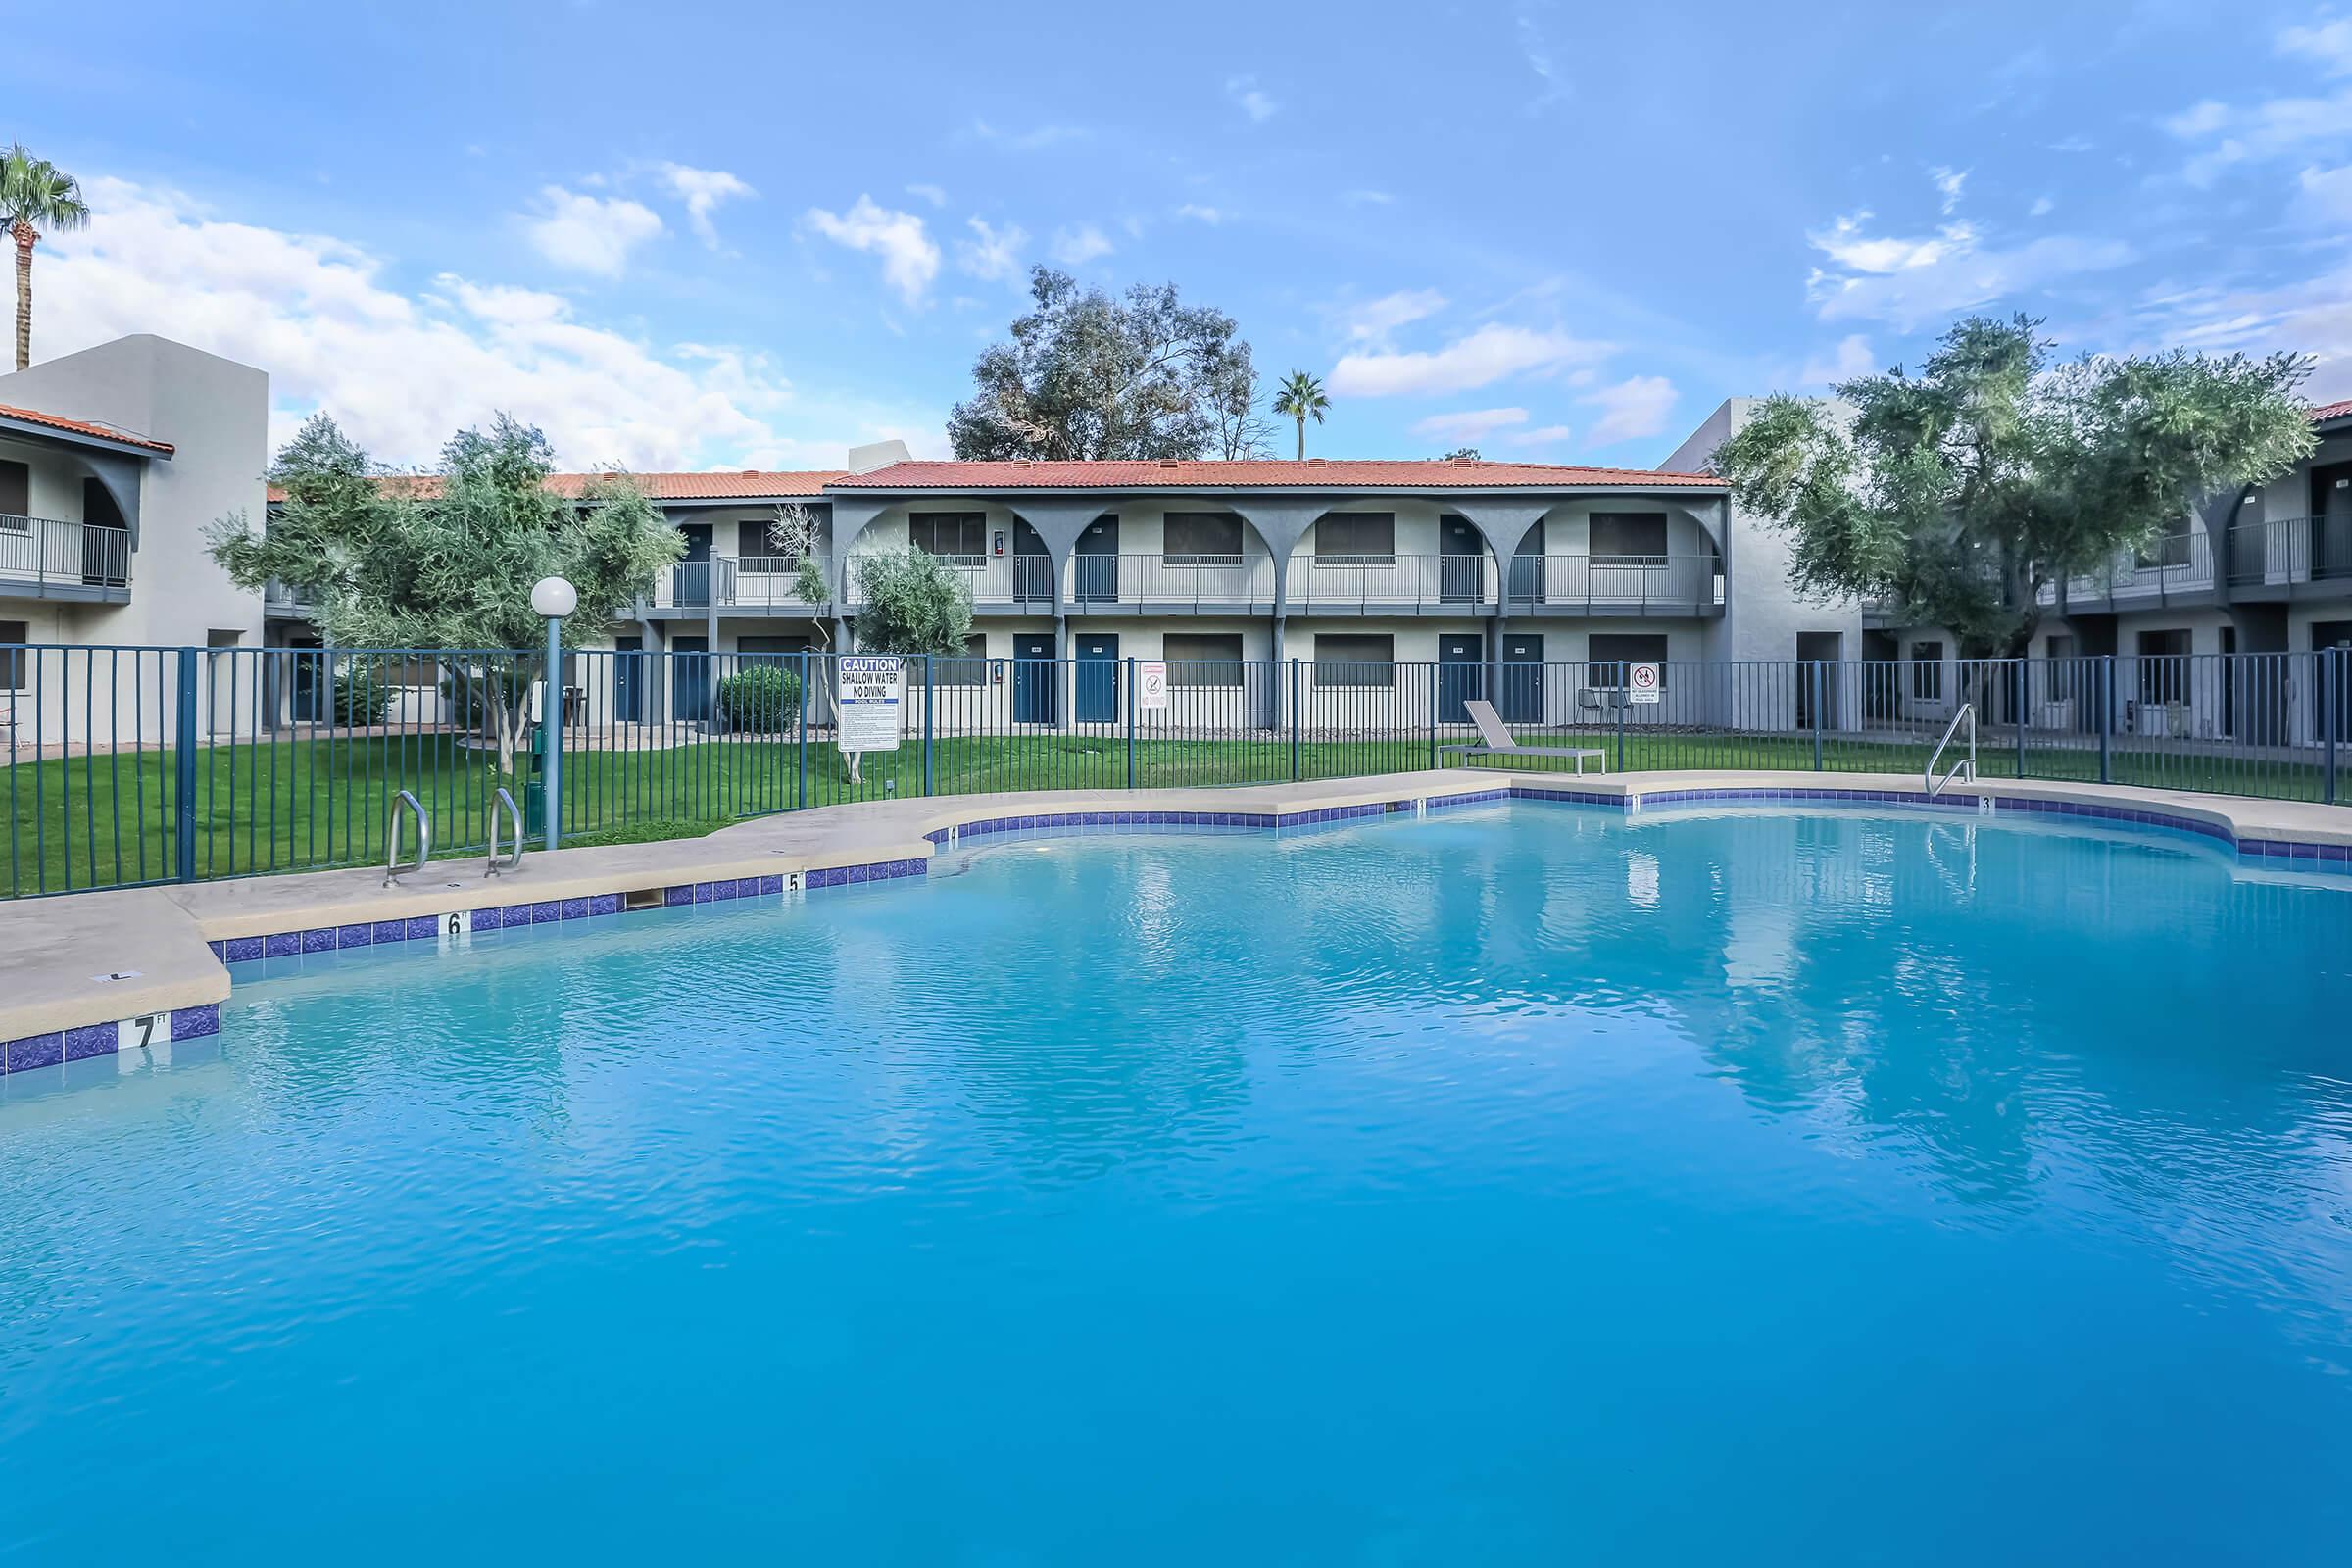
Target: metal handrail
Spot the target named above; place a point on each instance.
(513, 857)
(1965, 770)
(424, 838)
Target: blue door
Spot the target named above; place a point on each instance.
(1035, 675)
(1461, 674)
(1098, 677)
(629, 680)
(1521, 700)
(1097, 564)
(690, 679)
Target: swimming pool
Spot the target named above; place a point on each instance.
(1520, 1184)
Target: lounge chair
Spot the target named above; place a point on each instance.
(1498, 742)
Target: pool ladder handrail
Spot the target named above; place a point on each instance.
(502, 800)
(393, 870)
(1965, 770)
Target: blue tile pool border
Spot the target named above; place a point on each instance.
(188, 1024)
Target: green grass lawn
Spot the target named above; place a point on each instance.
(300, 803)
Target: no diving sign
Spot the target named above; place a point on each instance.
(1643, 681)
(1152, 685)
(866, 695)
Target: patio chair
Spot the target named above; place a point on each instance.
(1498, 742)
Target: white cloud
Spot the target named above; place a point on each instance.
(1535, 48)
(1909, 281)
(2329, 44)
(1634, 408)
(1542, 435)
(1849, 361)
(1373, 321)
(589, 233)
(1470, 426)
(2198, 119)
(1026, 141)
(1948, 184)
(1079, 245)
(703, 190)
(1204, 214)
(909, 258)
(2309, 316)
(993, 253)
(1367, 198)
(2041, 207)
(1845, 243)
(1245, 91)
(400, 370)
(1490, 353)
(928, 193)
(2324, 195)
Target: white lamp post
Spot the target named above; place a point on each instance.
(553, 598)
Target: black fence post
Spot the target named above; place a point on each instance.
(2106, 718)
(2331, 675)
(1436, 675)
(1624, 694)
(929, 687)
(1293, 721)
(800, 795)
(1130, 720)
(1815, 712)
(2018, 713)
(183, 759)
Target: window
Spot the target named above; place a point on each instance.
(15, 493)
(1355, 661)
(1203, 658)
(1926, 671)
(969, 670)
(12, 657)
(2065, 676)
(1610, 653)
(1203, 539)
(1628, 538)
(959, 536)
(2163, 667)
(1357, 539)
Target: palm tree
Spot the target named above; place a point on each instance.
(1301, 395)
(35, 195)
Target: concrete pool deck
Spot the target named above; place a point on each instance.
(82, 970)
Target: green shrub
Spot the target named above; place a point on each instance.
(362, 696)
(761, 700)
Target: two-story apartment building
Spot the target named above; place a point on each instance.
(112, 463)
(2265, 570)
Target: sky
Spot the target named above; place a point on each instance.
(734, 235)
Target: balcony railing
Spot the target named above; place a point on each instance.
(286, 598)
(43, 554)
(2176, 565)
(1243, 580)
(2292, 552)
(1579, 582)
(1025, 580)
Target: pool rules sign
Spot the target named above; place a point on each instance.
(868, 694)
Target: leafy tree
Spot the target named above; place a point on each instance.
(36, 195)
(912, 603)
(1299, 396)
(1087, 375)
(1957, 495)
(1463, 455)
(447, 560)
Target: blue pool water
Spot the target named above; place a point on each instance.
(1522, 1185)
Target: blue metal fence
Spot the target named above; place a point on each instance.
(121, 766)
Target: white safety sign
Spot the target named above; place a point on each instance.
(868, 694)
(1644, 680)
(1151, 686)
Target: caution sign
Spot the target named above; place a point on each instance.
(868, 693)
(1643, 681)
(1150, 686)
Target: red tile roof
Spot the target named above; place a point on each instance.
(1315, 474)
(2331, 411)
(83, 427)
(750, 484)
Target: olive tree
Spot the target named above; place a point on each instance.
(445, 561)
